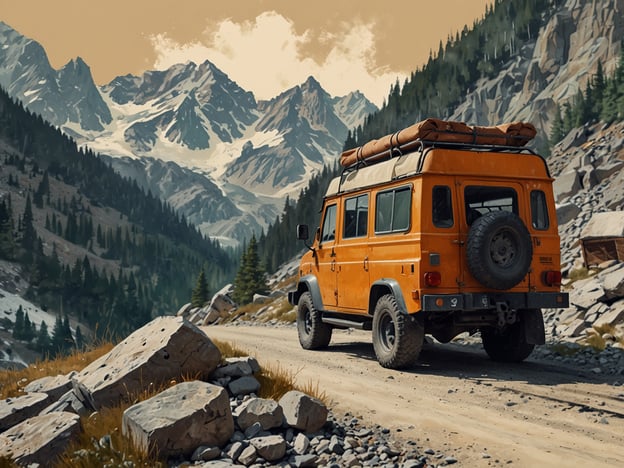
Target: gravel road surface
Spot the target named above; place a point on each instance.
(456, 401)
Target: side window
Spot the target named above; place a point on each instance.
(539, 210)
(442, 207)
(329, 224)
(356, 217)
(481, 200)
(393, 208)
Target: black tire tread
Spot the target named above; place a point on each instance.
(477, 250)
(321, 333)
(508, 345)
(409, 335)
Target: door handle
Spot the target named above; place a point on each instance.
(365, 263)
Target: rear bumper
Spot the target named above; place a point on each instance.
(494, 301)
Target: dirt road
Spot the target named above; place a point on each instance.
(458, 401)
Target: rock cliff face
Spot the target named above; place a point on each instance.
(589, 169)
(563, 57)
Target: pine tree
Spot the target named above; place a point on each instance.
(7, 239)
(557, 131)
(43, 342)
(18, 327)
(250, 278)
(57, 336)
(29, 235)
(29, 331)
(199, 297)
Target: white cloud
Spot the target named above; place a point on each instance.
(264, 56)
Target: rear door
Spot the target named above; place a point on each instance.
(478, 198)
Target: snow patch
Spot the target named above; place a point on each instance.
(9, 303)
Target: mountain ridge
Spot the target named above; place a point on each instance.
(195, 116)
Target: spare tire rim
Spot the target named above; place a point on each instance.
(503, 248)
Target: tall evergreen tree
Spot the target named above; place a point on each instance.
(250, 278)
(199, 296)
(18, 327)
(29, 235)
(29, 330)
(43, 342)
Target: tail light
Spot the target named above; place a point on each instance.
(433, 279)
(551, 278)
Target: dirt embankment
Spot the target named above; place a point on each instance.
(458, 401)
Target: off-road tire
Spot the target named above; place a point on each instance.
(507, 344)
(313, 333)
(397, 338)
(499, 250)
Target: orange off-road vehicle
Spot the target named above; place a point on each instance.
(438, 229)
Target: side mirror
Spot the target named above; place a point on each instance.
(302, 232)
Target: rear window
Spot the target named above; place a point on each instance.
(539, 210)
(480, 200)
(442, 207)
(393, 208)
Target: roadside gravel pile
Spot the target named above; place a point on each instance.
(341, 442)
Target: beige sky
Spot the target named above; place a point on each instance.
(265, 46)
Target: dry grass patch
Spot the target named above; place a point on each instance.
(275, 382)
(282, 311)
(596, 337)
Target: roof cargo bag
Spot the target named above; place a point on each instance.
(436, 130)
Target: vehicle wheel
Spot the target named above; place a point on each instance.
(499, 250)
(313, 333)
(508, 344)
(397, 338)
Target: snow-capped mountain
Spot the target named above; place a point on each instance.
(226, 161)
(59, 96)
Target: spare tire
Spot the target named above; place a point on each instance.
(499, 250)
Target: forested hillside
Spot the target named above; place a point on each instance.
(90, 243)
(442, 83)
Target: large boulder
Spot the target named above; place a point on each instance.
(180, 419)
(40, 439)
(166, 348)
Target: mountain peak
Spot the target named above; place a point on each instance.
(311, 82)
